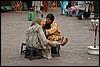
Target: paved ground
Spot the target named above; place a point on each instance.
(74, 53)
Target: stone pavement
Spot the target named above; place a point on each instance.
(74, 53)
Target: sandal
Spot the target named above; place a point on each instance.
(64, 42)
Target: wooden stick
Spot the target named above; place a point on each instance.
(95, 35)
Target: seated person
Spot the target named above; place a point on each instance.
(50, 26)
(74, 10)
(51, 30)
(42, 42)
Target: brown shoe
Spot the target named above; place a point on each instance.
(64, 42)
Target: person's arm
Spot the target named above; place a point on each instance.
(54, 27)
(42, 36)
(43, 39)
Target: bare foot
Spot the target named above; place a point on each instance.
(61, 39)
(64, 42)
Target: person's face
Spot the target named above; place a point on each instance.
(48, 20)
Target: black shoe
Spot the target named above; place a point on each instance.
(79, 17)
(71, 15)
(62, 14)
